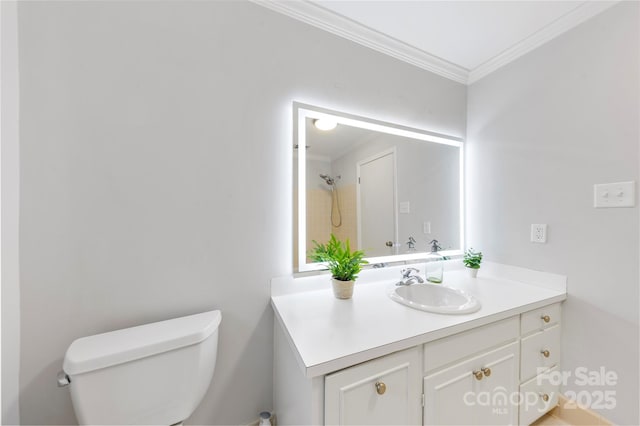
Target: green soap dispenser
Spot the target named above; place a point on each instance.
(435, 265)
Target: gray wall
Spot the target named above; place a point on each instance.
(430, 180)
(10, 214)
(541, 132)
(156, 173)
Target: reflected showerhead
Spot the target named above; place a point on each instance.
(328, 179)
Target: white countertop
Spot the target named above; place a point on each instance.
(330, 334)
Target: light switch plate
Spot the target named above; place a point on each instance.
(405, 207)
(609, 195)
(426, 227)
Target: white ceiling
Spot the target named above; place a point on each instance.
(461, 40)
(466, 33)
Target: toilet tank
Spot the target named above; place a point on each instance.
(151, 374)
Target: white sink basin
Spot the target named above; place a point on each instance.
(435, 298)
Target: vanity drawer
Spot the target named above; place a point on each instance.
(539, 319)
(533, 394)
(540, 350)
(453, 348)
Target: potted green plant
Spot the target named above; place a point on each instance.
(343, 263)
(472, 260)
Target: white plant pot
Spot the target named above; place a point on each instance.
(473, 272)
(342, 289)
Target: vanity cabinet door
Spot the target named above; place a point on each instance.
(476, 391)
(384, 391)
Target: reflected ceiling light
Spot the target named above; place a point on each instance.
(324, 124)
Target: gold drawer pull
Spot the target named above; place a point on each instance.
(546, 318)
(486, 371)
(478, 375)
(544, 397)
(381, 388)
(545, 353)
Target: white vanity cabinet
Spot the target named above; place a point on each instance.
(372, 361)
(495, 374)
(384, 391)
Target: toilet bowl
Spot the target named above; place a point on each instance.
(151, 374)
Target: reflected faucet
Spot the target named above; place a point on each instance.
(408, 279)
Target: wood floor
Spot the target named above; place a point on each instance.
(574, 416)
(550, 420)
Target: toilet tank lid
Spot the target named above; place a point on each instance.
(120, 346)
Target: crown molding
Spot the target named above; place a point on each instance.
(561, 25)
(334, 23)
(319, 17)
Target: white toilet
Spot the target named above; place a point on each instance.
(151, 374)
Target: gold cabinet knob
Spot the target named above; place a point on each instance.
(381, 388)
(544, 397)
(546, 318)
(486, 371)
(478, 375)
(545, 353)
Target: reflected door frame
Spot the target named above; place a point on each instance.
(360, 163)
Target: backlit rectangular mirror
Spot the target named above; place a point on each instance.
(378, 184)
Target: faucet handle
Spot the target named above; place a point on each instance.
(406, 273)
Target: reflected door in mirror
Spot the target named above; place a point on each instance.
(376, 194)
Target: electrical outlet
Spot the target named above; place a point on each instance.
(538, 233)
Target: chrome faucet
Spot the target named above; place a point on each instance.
(408, 279)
